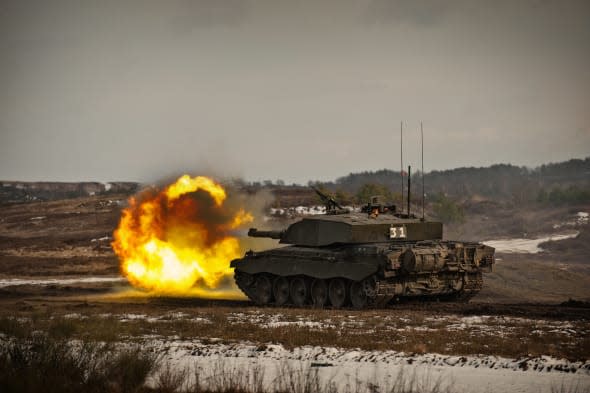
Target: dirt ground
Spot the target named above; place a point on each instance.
(45, 243)
(72, 237)
(59, 238)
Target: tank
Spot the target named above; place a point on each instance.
(361, 259)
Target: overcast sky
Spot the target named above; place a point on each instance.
(292, 90)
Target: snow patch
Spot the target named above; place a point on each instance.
(310, 324)
(526, 246)
(9, 282)
(304, 210)
(341, 367)
(101, 239)
(580, 218)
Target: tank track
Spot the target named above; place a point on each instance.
(379, 294)
(244, 281)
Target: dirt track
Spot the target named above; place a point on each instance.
(110, 297)
(113, 312)
(43, 244)
(71, 238)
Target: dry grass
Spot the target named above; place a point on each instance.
(410, 332)
(36, 362)
(40, 363)
(31, 361)
(292, 379)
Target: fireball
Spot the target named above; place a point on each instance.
(179, 240)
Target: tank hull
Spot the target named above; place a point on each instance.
(363, 275)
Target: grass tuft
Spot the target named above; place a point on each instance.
(42, 363)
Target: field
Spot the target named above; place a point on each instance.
(58, 275)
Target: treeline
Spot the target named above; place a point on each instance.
(556, 183)
(564, 196)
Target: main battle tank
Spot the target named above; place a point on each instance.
(361, 259)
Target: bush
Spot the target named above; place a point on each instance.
(563, 196)
(447, 211)
(43, 364)
(368, 190)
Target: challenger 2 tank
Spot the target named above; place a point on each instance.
(361, 259)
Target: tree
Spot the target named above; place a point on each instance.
(447, 210)
(368, 190)
(542, 196)
(343, 197)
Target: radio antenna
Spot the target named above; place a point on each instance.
(401, 158)
(409, 187)
(422, 140)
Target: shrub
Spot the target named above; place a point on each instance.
(447, 210)
(43, 364)
(368, 190)
(563, 196)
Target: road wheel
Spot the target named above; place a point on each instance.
(358, 295)
(337, 292)
(281, 290)
(262, 289)
(299, 291)
(319, 293)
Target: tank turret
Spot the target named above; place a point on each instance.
(353, 228)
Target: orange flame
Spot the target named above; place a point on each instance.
(178, 240)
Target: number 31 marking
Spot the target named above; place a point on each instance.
(397, 232)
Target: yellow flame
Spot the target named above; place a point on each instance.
(185, 184)
(167, 245)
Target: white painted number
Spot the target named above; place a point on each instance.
(397, 232)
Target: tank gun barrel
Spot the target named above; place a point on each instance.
(253, 232)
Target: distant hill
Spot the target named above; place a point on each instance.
(18, 191)
(503, 182)
(556, 183)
